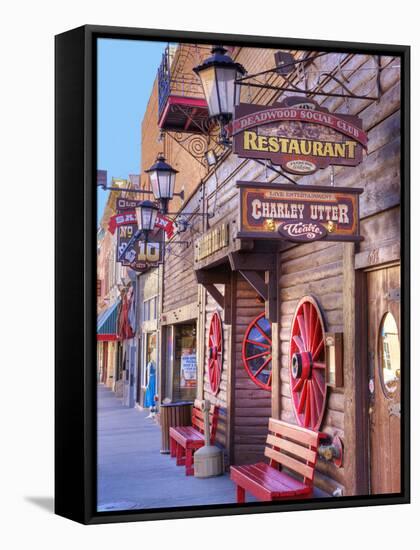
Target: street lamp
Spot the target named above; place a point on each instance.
(146, 214)
(162, 179)
(218, 74)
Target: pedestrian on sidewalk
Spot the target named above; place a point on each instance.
(149, 398)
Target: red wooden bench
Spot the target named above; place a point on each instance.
(185, 440)
(289, 446)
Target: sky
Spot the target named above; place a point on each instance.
(126, 72)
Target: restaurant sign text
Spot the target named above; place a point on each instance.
(298, 135)
(298, 214)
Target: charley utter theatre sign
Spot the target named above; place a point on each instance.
(299, 214)
(298, 135)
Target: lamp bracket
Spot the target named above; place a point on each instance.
(139, 191)
(296, 69)
(196, 145)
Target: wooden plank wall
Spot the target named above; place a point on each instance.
(180, 284)
(221, 398)
(252, 404)
(317, 268)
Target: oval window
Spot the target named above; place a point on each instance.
(389, 354)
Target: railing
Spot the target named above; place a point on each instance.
(172, 78)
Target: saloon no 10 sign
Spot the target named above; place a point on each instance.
(298, 214)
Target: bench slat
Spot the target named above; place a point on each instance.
(272, 479)
(249, 484)
(266, 482)
(288, 481)
(198, 424)
(297, 433)
(290, 447)
(298, 467)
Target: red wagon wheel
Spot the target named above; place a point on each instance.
(307, 364)
(256, 352)
(215, 344)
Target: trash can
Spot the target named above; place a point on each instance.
(173, 414)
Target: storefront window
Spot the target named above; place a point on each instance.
(150, 309)
(389, 352)
(185, 360)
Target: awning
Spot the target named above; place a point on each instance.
(106, 328)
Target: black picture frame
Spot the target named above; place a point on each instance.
(75, 273)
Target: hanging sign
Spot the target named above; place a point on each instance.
(298, 135)
(299, 213)
(126, 216)
(140, 255)
(211, 242)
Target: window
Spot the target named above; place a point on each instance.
(389, 353)
(150, 308)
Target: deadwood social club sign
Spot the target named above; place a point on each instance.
(298, 135)
(139, 256)
(299, 214)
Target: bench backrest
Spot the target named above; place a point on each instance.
(198, 419)
(293, 447)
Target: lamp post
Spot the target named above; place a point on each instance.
(218, 74)
(162, 179)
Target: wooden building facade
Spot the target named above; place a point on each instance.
(220, 290)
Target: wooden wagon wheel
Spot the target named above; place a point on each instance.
(256, 351)
(215, 345)
(307, 364)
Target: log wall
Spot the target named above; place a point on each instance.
(252, 404)
(221, 398)
(315, 269)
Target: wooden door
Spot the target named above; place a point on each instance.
(385, 373)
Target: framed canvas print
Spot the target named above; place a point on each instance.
(232, 274)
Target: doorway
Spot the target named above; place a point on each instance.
(385, 372)
(184, 369)
(104, 362)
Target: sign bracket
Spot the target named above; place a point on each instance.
(209, 279)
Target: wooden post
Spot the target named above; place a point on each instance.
(276, 351)
(201, 335)
(161, 340)
(230, 300)
(349, 367)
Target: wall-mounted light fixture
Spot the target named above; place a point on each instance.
(334, 352)
(211, 157)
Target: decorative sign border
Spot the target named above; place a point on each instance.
(298, 135)
(126, 215)
(298, 213)
(140, 256)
